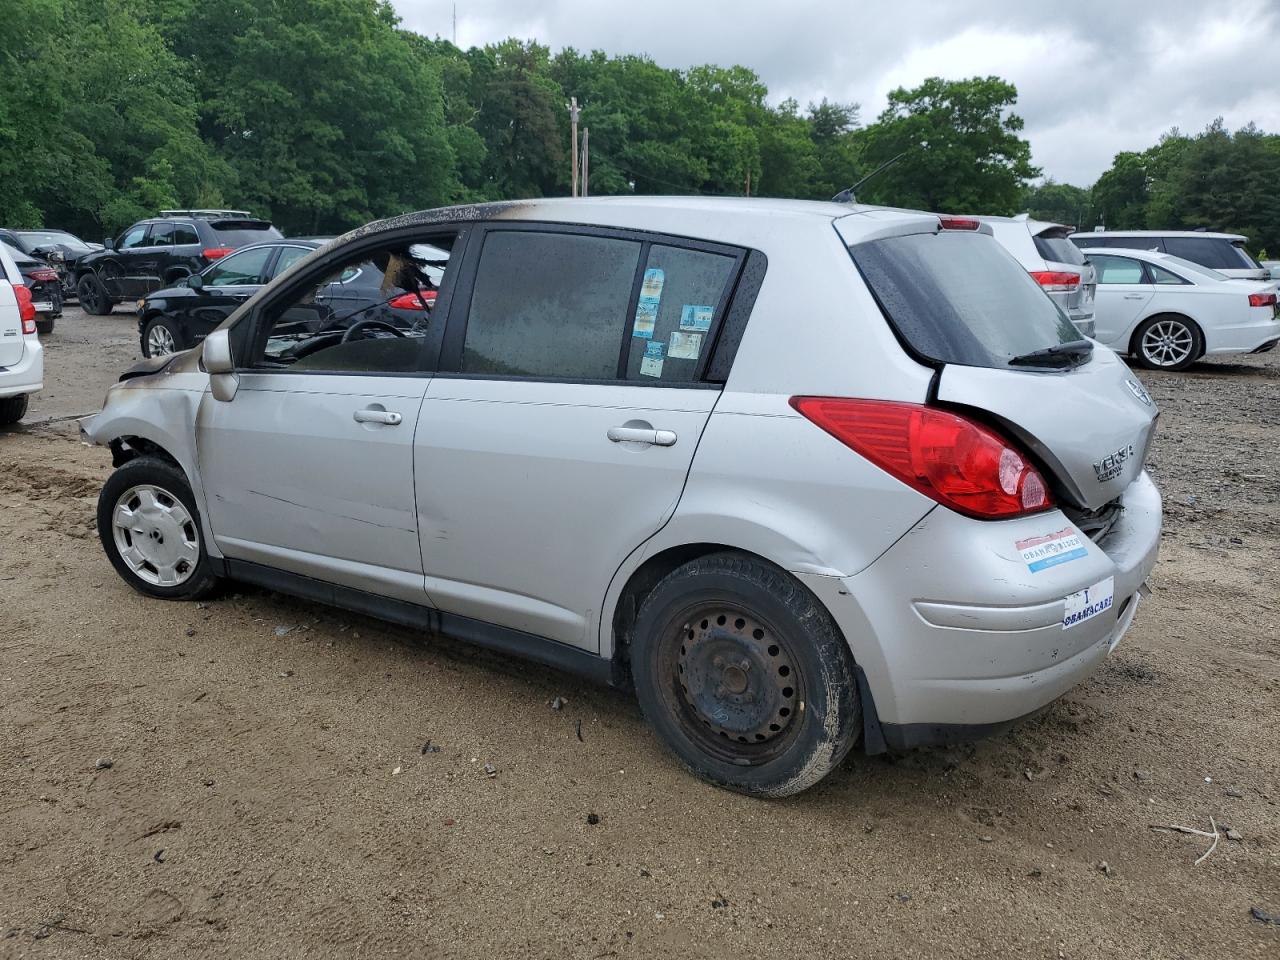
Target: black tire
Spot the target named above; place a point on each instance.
(163, 478)
(13, 409)
(93, 296)
(159, 323)
(1167, 341)
(744, 675)
(44, 326)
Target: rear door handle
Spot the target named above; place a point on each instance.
(1135, 296)
(661, 438)
(389, 417)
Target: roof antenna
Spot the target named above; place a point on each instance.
(847, 196)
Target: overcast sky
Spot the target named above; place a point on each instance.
(1093, 78)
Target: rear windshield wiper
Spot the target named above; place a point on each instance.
(1073, 352)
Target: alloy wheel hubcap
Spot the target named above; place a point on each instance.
(1167, 343)
(155, 536)
(160, 341)
(735, 677)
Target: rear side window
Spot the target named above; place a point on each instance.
(957, 298)
(1162, 276)
(550, 305)
(1210, 252)
(184, 234)
(240, 233)
(673, 327)
(1056, 247)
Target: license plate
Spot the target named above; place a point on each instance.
(44, 307)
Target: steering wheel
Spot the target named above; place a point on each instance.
(363, 325)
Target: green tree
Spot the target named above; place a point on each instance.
(960, 146)
(1060, 203)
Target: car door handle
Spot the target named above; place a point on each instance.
(1135, 296)
(389, 417)
(662, 438)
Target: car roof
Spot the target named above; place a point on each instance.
(1160, 233)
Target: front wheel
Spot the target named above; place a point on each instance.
(745, 676)
(1168, 342)
(149, 525)
(93, 296)
(161, 337)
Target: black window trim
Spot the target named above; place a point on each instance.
(455, 334)
(248, 332)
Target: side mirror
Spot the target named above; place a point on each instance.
(216, 354)
(195, 281)
(108, 244)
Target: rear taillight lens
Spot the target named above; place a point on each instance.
(26, 309)
(1056, 281)
(410, 301)
(216, 253)
(956, 461)
(958, 223)
(43, 275)
(1262, 299)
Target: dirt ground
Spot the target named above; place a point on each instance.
(268, 793)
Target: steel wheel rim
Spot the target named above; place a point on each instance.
(160, 341)
(155, 536)
(1167, 343)
(736, 686)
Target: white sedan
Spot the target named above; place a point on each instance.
(1166, 312)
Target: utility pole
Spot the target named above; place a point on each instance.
(455, 22)
(573, 146)
(748, 181)
(586, 159)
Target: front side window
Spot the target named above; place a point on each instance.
(550, 305)
(245, 267)
(1117, 269)
(135, 236)
(957, 297)
(369, 315)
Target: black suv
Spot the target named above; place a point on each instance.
(161, 251)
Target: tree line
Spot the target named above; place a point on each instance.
(324, 114)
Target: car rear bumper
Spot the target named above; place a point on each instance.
(957, 635)
(1244, 337)
(27, 375)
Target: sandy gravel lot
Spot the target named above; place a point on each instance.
(253, 808)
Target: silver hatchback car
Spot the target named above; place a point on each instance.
(804, 474)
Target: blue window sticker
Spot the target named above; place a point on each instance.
(695, 317)
(651, 363)
(647, 308)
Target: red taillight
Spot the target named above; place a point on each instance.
(953, 460)
(216, 253)
(1262, 299)
(26, 309)
(958, 223)
(1056, 281)
(411, 301)
(43, 275)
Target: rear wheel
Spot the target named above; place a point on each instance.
(12, 409)
(149, 525)
(93, 296)
(161, 337)
(44, 325)
(1168, 342)
(745, 676)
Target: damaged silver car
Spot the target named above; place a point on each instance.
(803, 474)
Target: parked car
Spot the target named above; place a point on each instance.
(181, 316)
(1053, 261)
(803, 473)
(161, 251)
(46, 290)
(1272, 267)
(60, 249)
(1167, 312)
(1224, 252)
(21, 353)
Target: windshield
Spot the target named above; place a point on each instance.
(959, 298)
(51, 238)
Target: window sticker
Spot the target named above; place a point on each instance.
(1088, 603)
(647, 308)
(695, 317)
(1041, 553)
(651, 364)
(684, 346)
(646, 318)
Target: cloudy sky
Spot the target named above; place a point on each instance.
(1094, 76)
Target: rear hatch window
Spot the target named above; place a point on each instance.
(238, 233)
(956, 297)
(1054, 245)
(1213, 252)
